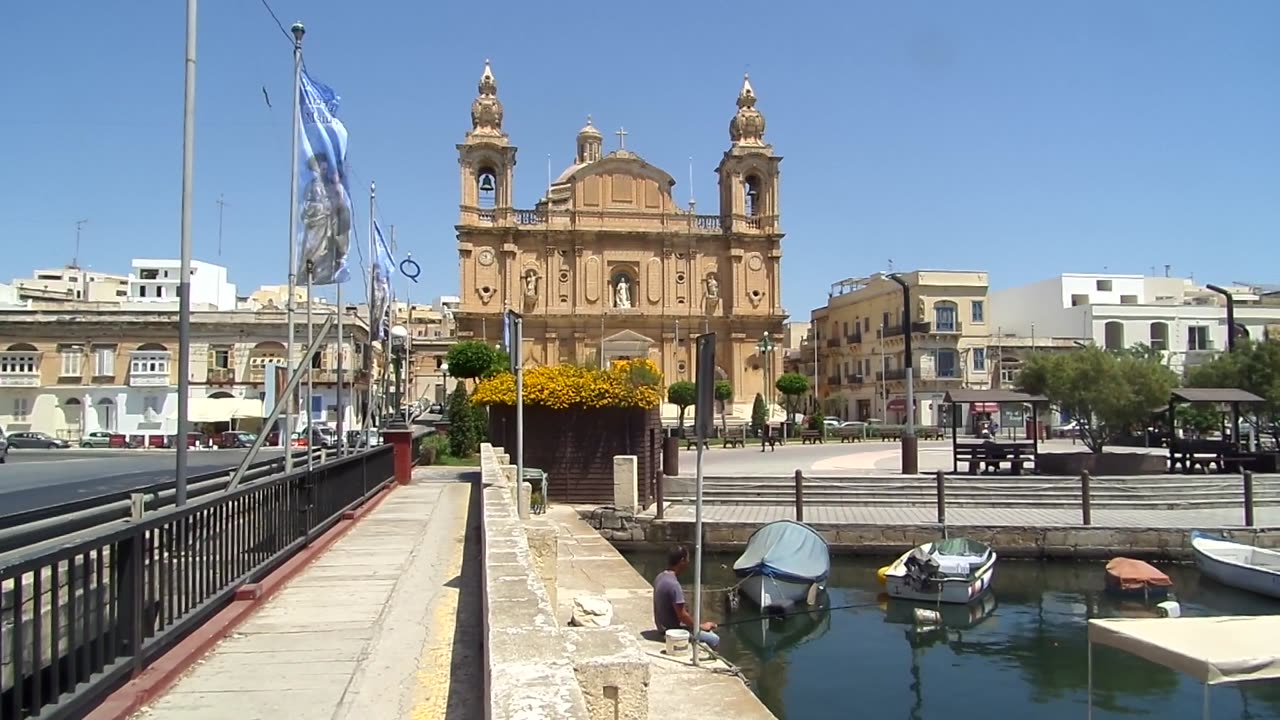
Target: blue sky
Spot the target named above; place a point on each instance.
(1023, 138)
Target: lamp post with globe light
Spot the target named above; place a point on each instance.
(399, 346)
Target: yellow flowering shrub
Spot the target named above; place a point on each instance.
(626, 384)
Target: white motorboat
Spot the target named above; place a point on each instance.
(1237, 565)
(956, 570)
(785, 564)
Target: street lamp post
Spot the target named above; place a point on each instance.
(1231, 315)
(184, 263)
(765, 348)
(399, 339)
(910, 456)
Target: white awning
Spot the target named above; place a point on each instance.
(216, 410)
(1214, 650)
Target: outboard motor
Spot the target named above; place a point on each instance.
(921, 567)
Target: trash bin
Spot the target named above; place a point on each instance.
(670, 456)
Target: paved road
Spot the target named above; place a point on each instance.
(36, 478)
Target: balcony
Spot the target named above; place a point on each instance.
(149, 379)
(854, 338)
(833, 380)
(833, 342)
(220, 376)
(947, 329)
(899, 374)
(20, 380)
(540, 219)
(853, 380)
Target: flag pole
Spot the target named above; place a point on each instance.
(341, 426)
(184, 271)
(311, 388)
(286, 439)
(374, 327)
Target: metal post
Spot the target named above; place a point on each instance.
(342, 438)
(516, 357)
(942, 498)
(1248, 498)
(1231, 315)
(697, 548)
(799, 496)
(291, 399)
(910, 459)
(311, 388)
(184, 264)
(1086, 508)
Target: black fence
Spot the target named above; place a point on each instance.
(83, 615)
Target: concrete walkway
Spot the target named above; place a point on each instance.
(589, 564)
(988, 517)
(375, 628)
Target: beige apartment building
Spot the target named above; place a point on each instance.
(71, 284)
(72, 371)
(609, 265)
(860, 337)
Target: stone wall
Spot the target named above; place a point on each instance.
(576, 448)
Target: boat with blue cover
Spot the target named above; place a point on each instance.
(786, 564)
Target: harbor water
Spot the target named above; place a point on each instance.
(1020, 654)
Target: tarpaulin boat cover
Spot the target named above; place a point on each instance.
(785, 549)
(1129, 574)
(1214, 650)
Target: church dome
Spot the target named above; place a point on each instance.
(589, 130)
(747, 125)
(589, 143)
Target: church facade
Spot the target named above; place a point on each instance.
(608, 266)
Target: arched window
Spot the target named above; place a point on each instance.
(946, 316)
(1010, 366)
(1113, 335)
(753, 188)
(1159, 335)
(106, 410)
(486, 188)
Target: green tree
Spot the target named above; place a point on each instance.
(724, 393)
(682, 394)
(463, 437)
(1140, 351)
(1254, 367)
(792, 386)
(759, 415)
(471, 359)
(1105, 393)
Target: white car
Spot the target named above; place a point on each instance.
(4, 447)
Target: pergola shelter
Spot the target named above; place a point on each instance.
(1213, 650)
(1227, 455)
(993, 452)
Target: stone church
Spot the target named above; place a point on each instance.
(607, 265)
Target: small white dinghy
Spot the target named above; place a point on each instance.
(785, 564)
(956, 570)
(1237, 565)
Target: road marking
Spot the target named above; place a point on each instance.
(435, 663)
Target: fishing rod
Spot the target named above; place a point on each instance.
(806, 611)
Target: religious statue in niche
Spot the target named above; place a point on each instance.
(622, 292)
(713, 287)
(531, 285)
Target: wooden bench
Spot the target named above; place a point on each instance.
(990, 458)
(851, 434)
(811, 437)
(691, 442)
(735, 437)
(887, 434)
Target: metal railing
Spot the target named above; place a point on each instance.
(79, 618)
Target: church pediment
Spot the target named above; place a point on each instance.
(628, 336)
(620, 181)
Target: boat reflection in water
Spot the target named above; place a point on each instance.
(771, 636)
(932, 623)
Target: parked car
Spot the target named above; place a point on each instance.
(39, 440)
(236, 439)
(364, 438)
(4, 446)
(104, 439)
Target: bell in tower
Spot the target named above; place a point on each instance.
(486, 158)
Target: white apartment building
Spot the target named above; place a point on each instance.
(71, 284)
(157, 281)
(1174, 315)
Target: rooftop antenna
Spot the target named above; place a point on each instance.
(1166, 269)
(692, 202)
(75, 260)
(222, 204)
(890, 264)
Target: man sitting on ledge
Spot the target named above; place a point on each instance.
(669, 611)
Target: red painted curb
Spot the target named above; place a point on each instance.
(152, 682)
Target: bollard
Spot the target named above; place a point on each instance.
(658, 498)
(799, 496)
(1248, 498)
(942, 498)
(1085, 510)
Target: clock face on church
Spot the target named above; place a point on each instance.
(486, 257)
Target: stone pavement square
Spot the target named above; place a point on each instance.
(368, 630)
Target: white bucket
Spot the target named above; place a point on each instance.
(927, 617)
(677, 642)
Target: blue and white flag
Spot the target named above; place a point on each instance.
(324, 231)
(383, 266)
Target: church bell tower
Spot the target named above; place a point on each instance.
(486, 160)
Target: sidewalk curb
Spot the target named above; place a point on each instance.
(152, 682)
